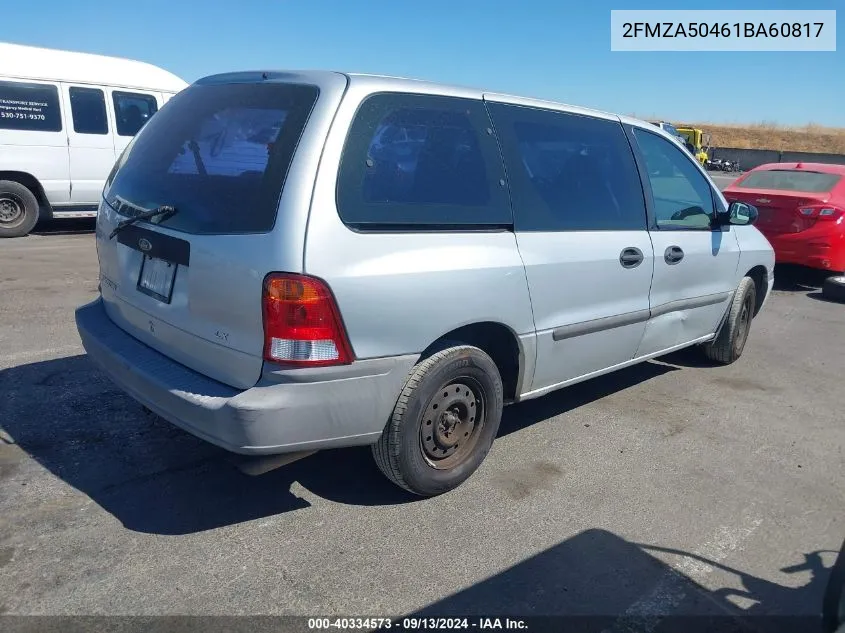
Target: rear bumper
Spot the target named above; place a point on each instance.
(287, 411)
(817, 249)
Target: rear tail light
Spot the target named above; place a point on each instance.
(821, 213)
(302, 324)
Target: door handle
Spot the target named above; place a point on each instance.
(673, 255)
(631, 257)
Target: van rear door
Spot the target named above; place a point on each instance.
(189, 284)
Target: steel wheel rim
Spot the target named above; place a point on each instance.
(744, 323)
(12, 210)
(452, 423)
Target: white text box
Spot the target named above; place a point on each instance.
(728, 30)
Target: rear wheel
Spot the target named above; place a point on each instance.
(834, 288)
(444, 422)
(18, 209)
(728, 346)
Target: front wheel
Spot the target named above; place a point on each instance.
(444, 422)
(728, 346)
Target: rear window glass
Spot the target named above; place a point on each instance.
(219, 154)
(31, 107)
(790, 180)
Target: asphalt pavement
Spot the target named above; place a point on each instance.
(669, 488)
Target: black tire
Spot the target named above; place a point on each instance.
(18, 209)
(430, 453)
(728, 346)
(834, 288)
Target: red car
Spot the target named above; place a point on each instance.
(801, 208)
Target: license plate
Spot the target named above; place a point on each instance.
(156, 278)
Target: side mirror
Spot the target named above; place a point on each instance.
(740, 214)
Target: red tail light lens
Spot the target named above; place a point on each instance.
(302, 324)
(829, 213)
(821, 212)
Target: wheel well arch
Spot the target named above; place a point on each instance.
(760, 276)
(30, 182)
(499, 342)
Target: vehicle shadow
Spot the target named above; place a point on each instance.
(156, 478)
(817, 295)
(524, 414)
(793, 278)
(597, 581)
(150, 475)
(69, 226)
(689, 357)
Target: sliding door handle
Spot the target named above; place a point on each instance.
(631, 257)
(673, 255)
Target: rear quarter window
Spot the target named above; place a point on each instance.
(29, 107)
(421, 161)
(219, 153)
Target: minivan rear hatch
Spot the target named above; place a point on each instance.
(785, 198)
(188, 282)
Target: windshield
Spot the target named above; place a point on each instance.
(791, 180)
(218, 153)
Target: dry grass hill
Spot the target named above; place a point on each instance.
(806, 138)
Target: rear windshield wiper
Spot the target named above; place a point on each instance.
(165, 210)
(195, 150)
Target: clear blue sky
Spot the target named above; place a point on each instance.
(550, 49)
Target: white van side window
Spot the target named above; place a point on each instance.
(88, 108)
(132, 110)
(29, 107)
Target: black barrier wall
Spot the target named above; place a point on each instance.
(751, 158)
(810, 157)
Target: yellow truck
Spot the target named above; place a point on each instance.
(698, 142)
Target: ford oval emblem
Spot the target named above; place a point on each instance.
(144, 244)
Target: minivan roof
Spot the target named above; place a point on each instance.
(377, 82)
(47, 64)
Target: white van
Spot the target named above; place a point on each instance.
(64, 119)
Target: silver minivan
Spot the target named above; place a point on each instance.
(300, 261)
